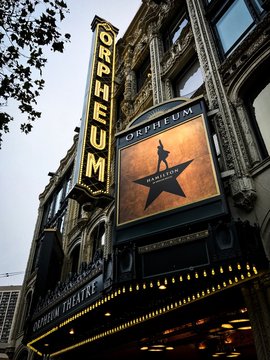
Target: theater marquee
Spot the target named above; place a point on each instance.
(92, 166)
(166, 165)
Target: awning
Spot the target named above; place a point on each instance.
(136, 304)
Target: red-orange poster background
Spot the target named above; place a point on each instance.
(187, 141)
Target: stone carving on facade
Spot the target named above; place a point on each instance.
(243, 192)
(74, 281)
(245, 51)
(119, 78)
(234, 68)
(75, 225)
(238, 140)
(226, 154)
(107, 249)
(206, 62)
(250, 147)
(129, 75)
(235, 156)
(157, 12)
(127, 109)
(165, 8)
(151, 20)
(144, 94)
(155, 56)
(130, 82)
(168, 89)
(238, 66)
(139, 49)
(139, 40)
(173, 55)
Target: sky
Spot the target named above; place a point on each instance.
(26, 160)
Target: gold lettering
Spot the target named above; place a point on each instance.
(98, 107)
(102, 138)
(104, 90)
(104, 54)
(102, 69)
(106, 38)
(96, 166)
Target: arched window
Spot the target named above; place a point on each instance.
(74, 258)
(256, 95)
(26, 310)
(28, 303)
(175, 30)
(142, 72)
(98, 238)
(188, 80)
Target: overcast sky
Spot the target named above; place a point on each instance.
(25, 160)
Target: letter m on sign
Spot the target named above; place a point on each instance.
(95, 166)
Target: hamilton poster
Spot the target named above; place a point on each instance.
(171, 169)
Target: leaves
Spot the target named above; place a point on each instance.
(26, 28)
(58, 46)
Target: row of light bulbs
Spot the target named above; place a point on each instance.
(161, 285)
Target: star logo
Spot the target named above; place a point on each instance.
(165, 180)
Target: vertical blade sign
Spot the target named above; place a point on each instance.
(92, 166)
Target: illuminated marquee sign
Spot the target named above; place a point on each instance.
(166, 166)
(92, 167)
(86, 295)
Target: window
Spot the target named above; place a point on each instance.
(119, 113)
(61, 222)
(58, 200)
(56, 204)
(36, 255)
(68, 184)
(175, 31)
(50, 210)
(233, 22)
(256, 98)
(98, 236)
(261, 107)
(143, 72)
(74, 259)
(189, 81)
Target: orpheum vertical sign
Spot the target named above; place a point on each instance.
(92, 166)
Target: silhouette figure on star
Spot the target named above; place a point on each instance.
(162, 155)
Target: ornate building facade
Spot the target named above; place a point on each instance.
(186, 275)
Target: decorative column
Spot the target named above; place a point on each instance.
(130, 84)
(108, 239)
(156, 50)
(234, 153)
(108, 249)
(168, 89)
(251, 147)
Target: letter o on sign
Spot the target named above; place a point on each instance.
(106, 38)
(129, 137)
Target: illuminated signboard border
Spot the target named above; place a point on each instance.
(178, 206)
(200, 210)
(98, 117)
